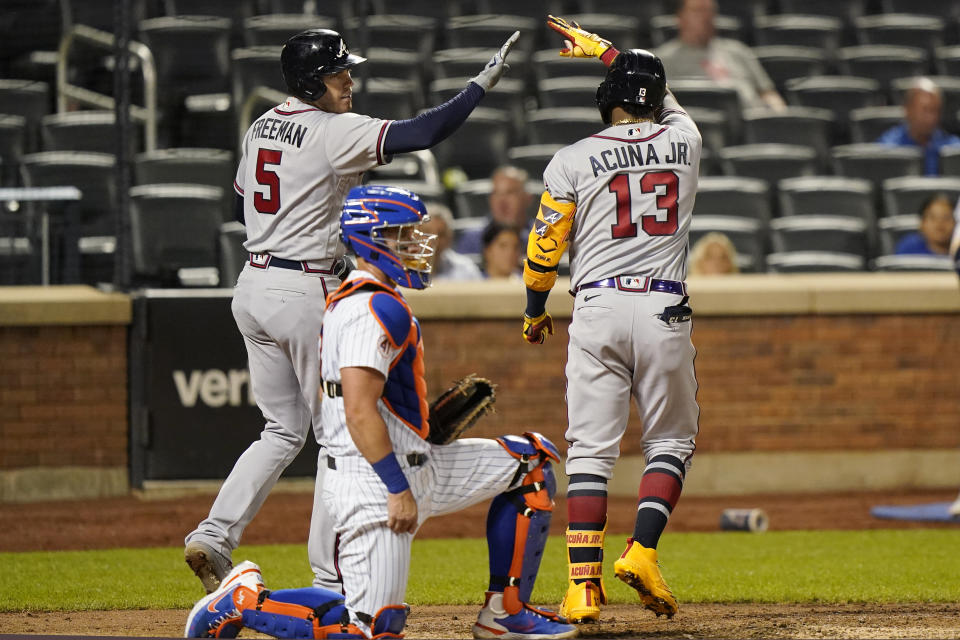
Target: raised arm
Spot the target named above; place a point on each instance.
(434, 126)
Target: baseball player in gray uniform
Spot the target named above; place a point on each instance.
(622, 200)
(298, 162)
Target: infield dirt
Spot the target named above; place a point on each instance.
(284, 519)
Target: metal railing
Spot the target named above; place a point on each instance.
(146, 114)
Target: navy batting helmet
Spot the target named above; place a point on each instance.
(310, 55)
(636, 76)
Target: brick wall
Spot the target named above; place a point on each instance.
(775, 383)
(63, 396)
(766, 383)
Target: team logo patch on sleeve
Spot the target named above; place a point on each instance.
(550, 215)
(540, 228)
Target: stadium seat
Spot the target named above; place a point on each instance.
(392, 63)
(950, 88)
(533, 158)
(827, 195)
(98, 14)
(906, 194)
(908, 262)
(567, 91)
(236, 11)
(254, 67)
(420, 166)
(746, 234)
(712, 124)
(733, 196)
(508, 96)
(846, 10)
(814, 262)
(820, 32)
(191, 53)
(645, 10)
(902, 29)
(950, 161)
(770, 162)
(562, 126)
(13, 131)
(939, 8)
(867, 124)
(87, 230)
(490, 31)
(92, 173)
(838, 94)
(547, 64)
(29, 99)
(231, 254)
(471, 198)
(532, 9)
(386, 98)
(409, 33)
(287, 6)
(663, 28)
(275, 29)
(893, 228)
(83, 131)
(212, 167)
(876, 162)
(708, 94)
(479, 145)
(883, 63)
(947, 60)
(804, 126)
(837, 234)
(173, 227)
(786, 62)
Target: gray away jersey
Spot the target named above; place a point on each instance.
(296, 167)
(634, 187)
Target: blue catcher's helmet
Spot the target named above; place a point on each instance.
(380, 225)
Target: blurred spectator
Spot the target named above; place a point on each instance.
(713, 254)
(936, 229)
(501, 251)
(922, 106)
(447, 263)
(696, 52)
(509, 204)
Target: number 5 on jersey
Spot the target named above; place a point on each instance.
(269, 203)
(625, 227)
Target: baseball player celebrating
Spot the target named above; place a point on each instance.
(622, 200)
(298, 162)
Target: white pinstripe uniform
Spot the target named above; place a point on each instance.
(297, 165)
(375, 561)
(634, 187)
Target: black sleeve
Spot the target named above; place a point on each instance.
(238, 209)
(433, 126)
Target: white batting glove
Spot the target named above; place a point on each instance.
(491, 73)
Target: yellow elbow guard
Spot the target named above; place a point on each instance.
(547, 242)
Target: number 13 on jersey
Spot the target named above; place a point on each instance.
(666, 200)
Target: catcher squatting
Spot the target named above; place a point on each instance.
(393, 461)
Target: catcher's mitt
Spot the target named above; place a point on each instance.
(459, 407)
